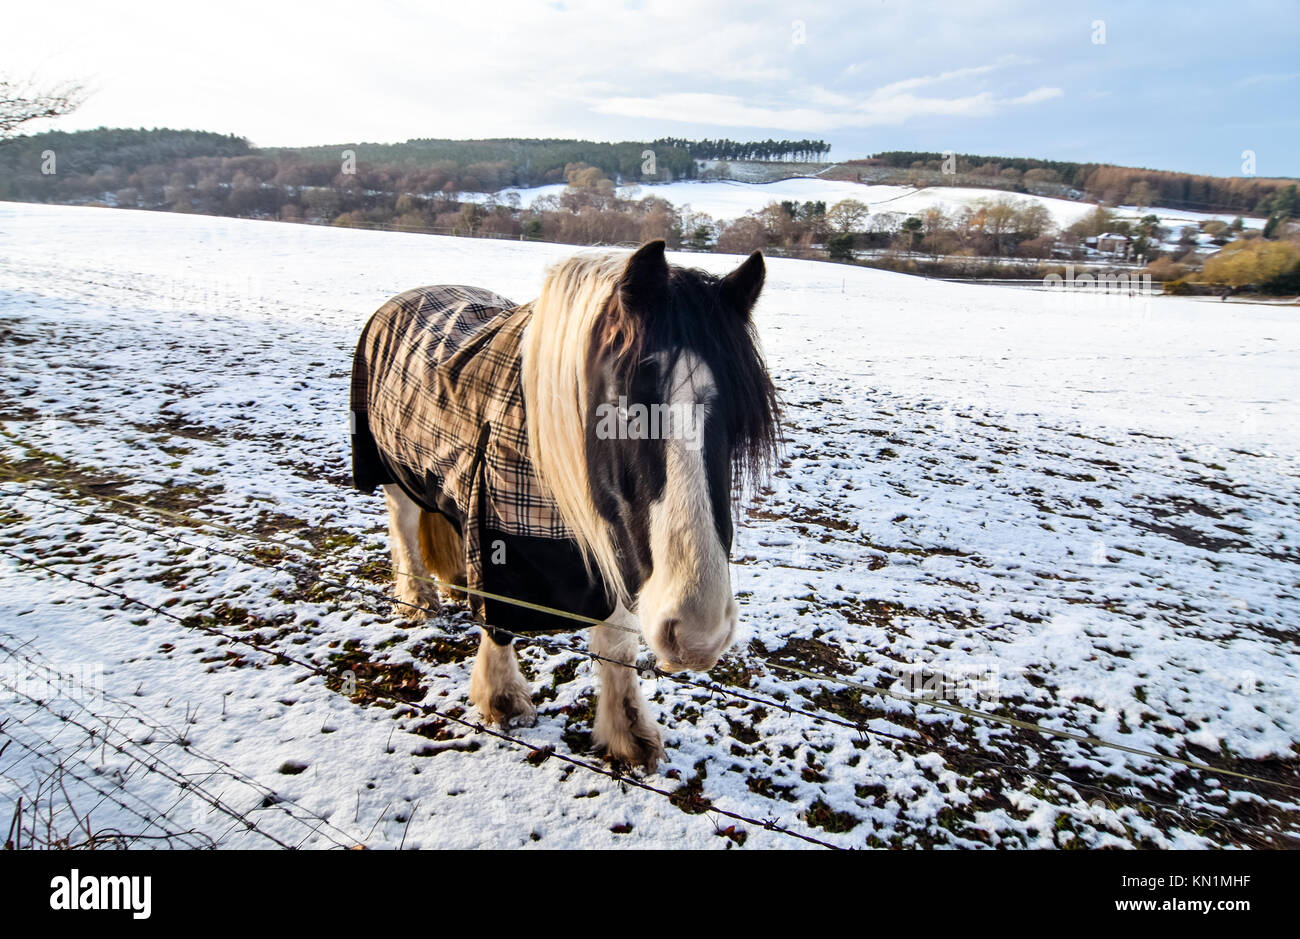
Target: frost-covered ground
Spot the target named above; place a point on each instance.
(725, 199)
(1079, 512)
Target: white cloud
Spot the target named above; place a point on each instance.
(705, 108)
(892, 104)
(1038, 94)
(1273, 79)
(815, 108)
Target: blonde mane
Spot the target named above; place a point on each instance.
(556, 352)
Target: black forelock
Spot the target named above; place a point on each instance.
(635, 352)
(698, 320)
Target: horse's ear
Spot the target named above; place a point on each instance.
(643, 287)
(741, 287)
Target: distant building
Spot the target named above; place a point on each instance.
(1114, 244)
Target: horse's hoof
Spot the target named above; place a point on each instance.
(647, 757)
(524, 718)
(417, 603)
(508, 709)
(638, 745)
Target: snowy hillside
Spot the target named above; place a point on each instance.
(725, 200)
(1089, 503)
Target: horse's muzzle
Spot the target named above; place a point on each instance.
(676, 655)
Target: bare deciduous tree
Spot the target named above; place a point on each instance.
(848, 215)
(22, 102)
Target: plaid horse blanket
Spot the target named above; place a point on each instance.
(438, 409)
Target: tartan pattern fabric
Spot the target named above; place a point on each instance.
(436, 382)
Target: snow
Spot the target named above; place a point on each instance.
(725, 200)
(1090, 497)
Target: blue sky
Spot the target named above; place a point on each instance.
(1185, 86)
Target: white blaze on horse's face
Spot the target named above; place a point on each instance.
(686, 608)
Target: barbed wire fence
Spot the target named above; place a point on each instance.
(67, 720)
(537, 754)
(712, 689)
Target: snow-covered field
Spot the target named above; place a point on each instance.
(725, 200)
(1081, 512)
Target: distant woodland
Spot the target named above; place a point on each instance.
(1109, 185)
(455, 187)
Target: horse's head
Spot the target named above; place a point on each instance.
(679, 409)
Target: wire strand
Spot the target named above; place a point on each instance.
(883, 692)
(476, 726)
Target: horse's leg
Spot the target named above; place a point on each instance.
(410, 572)
(443, 551)
(497, 687)
(624, 727)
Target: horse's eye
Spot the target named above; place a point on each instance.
(645, 384)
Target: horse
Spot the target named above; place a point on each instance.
(582, 453)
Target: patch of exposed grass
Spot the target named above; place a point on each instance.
(821, 815)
